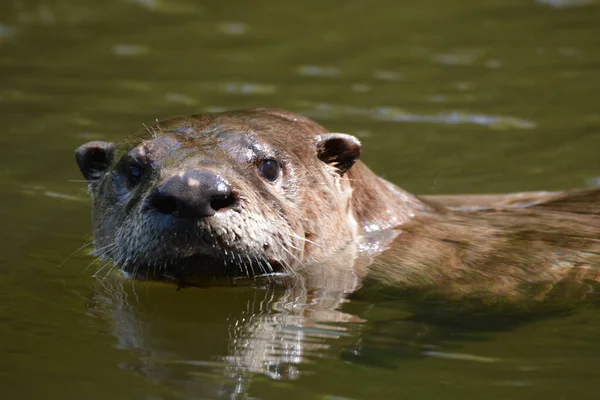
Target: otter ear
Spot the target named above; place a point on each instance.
(339, 150)
(94, 158)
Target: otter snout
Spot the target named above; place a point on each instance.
(196, 193)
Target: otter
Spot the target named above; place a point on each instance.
(249, 194)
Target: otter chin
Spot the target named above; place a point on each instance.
(261, 192)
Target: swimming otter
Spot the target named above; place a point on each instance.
(266, 192)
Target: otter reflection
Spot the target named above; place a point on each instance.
(212, 342)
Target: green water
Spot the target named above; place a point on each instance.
(447, 96)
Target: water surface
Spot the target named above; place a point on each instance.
(459, 96)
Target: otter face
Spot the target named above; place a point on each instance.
(233, 194)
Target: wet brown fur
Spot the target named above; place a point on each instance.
(518, 256)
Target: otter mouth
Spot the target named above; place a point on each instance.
(185, 249)
(198, 268)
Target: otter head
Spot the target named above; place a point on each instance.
(231, 194)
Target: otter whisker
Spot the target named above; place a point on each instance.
(95, 260)
(110, 270)
(148, 273)
(249, 263)
(135, 265)
(262, 266)
(155, 265)
(288, 267)
(253, 272)
(154, 135)
(295, 247)
(75, 252)
(305, 239)
(263, 271)
(122, 266)
(103, 252)
(244, 265)
(293, 256)
(269, 267)
(106, 264)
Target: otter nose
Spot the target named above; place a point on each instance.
(195, 194)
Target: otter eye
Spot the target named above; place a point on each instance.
(134, 174)
(270, 170)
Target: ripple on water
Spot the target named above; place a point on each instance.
(248, 88)
(594, 182)
(460, 356)
(456, 58)
(6, 31)
(177, 7)
(565, 3)
(395, 114)
(390, 76)
(361, 87)
(316, 70)
(232, 28)
(179, 98)
(130, 50)
(36, 190)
